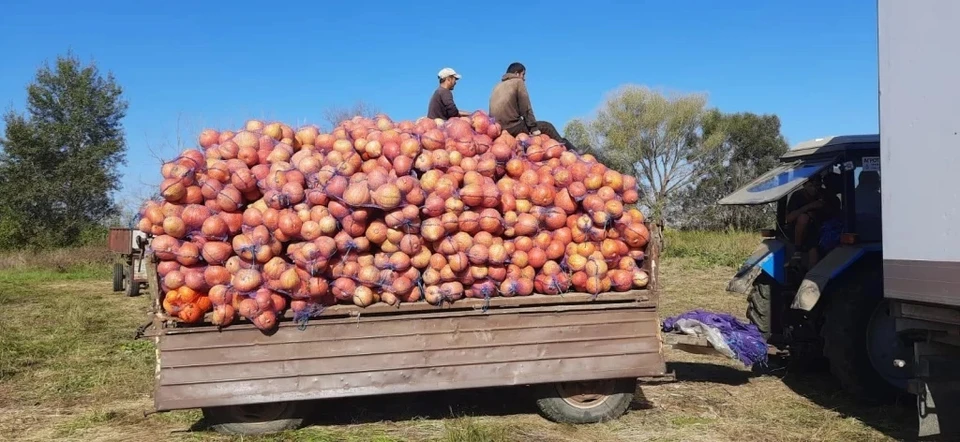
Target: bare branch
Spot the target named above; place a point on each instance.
(337, 114)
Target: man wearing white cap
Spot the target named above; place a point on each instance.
(441, 103)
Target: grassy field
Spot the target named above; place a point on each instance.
(71, 370)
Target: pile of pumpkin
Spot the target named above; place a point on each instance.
(268, 218)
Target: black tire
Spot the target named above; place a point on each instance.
(118, 277)
(133, 289)
(133, 286)
(254, 419)
(760, 308)
(586, 402)
(848, 312)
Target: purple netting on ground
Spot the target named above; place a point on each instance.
(744, 339)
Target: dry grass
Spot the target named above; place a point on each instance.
(69, 370)
(73, 260)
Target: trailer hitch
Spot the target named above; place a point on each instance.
(142, 330)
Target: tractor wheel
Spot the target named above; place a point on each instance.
(860, 339)
(760, 308)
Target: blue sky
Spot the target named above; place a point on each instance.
(189, 65)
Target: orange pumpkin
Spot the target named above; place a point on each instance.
(204, 304)
(187, 295)
(190, 313)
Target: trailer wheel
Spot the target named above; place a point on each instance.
(254, 418)
(133, 286)
(586, 402)
(118, 277)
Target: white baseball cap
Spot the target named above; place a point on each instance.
(447, 72)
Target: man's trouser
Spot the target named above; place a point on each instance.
(546, 128)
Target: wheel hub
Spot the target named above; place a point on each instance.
(585, 394)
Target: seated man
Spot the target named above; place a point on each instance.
(510, 106)
(816, 217)
(441, 102)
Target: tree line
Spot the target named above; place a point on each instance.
(685, 154)
(60, 158)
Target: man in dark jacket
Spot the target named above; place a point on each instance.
(510, 106)
(441, 103)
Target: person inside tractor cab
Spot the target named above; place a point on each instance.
(816, 218)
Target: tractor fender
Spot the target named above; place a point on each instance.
(828, 269)
(768, 258)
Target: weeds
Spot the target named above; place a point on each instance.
(707, 249)
(75, 263)
(466, 429)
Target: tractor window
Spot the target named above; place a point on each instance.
(866, 180)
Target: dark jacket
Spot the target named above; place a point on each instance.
(442, 105)
(510, 105)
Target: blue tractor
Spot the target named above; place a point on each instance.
(815, 283)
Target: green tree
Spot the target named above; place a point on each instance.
(658, 138)
(58, 161)
(752, 146)
(579, 134)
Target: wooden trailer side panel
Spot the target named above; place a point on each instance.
(120, 240)
(411, 352)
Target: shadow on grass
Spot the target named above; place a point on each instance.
(896, 419)
(434, 405)
(707, 372)
(496, 402)
(484, 402)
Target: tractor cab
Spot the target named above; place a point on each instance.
(814, 285)
(847, 171)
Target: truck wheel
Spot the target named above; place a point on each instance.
(860, 340)
(760, 308)
(118, 277)
(254, 418)
(586, 402)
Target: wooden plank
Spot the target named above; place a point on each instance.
(320, 331)
(120, 240)
(286, 322)
(685, 339)
(406, 381)
(409, 358)
(379, 345)
(373, 343)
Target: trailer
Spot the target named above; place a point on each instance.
(129, 270)
(582, 353)
(919, 126)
